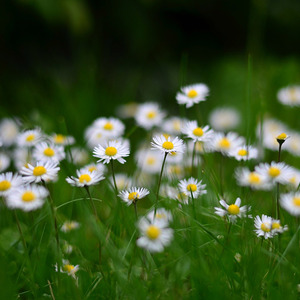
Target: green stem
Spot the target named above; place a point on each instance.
(193, 158)
(135, 209)
(92, 202)
(113, 175)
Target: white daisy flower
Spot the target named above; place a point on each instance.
(233, 210)
(192, 94)
(79, 156)
(174, 171)
(111, 150)
(62, 140)
(4, 162)
(162, 217)
(173, 125)
(198, 134)
(94, 136)
(69, 226)
(133, 194)
(253, 179)
(68, 268)
(168, 144)
(29, 138)
(85, 178)
(22, 157)
(155, 236)
(263, 226)
(48, 152)
(175, 158)
(27, 198)
(192, 187)
(127, 110)
(98, 167)
(291, 203)
(112, 127)
(8, 182)
(42, 171)
(289, 95)
(294, 178)
(224, 119)
(226, 143)
(67, 248)
(123, 181)
(244, 153)
(149, 115)
(8, 131)
(275, 172)
(149, 161)
(277, 227)
(292, 145)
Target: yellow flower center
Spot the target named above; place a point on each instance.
(28, 196)
(111, 151)
(59, 139)
(151, 114)
(84, 178)
(275, 225)
(150, 161)
(198, 131)
(176, 170)
(39, 171)
(168, 145)
(108, 126)
(4, 185)
(265, 228)
(242, 152)
(233, 209)
(281, 136)
(274, 172)
(93, 168)
(153, 232)
(133, 195)
(68, 268)
(254, 178)
(192, 94)
(70, 225)
(30, 138)
(224, 143)
(160, 216)
(191, 187)
(296, 201)
(49, 152)
(293, 94)
(176, 125)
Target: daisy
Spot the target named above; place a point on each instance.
(275, 172)
(192, 94)
(167, 145)
(123, 181)
(8, 131)
(291, 203)
(155, 235)
(42, 171)
(226, 143)
(292, 145)
(62, 140)
(29, 138)
(277, 227)
(78, 156)
(100, 168)
(289, 95)
(173, 125)
(244, 153)
(192, 187)
(68, 268)
(111, 150)
(133, 195)
(8, 182)
(162, 217)
(198, 134)
(4, 162)
(224, 119)
(69, 225)
(149, 115)
(263, 226)
(111, 127)
(233, 210)
(149, 161)
(174, 171)
(253, 179)
(294, 178)
(22, 157)
(27, 198)
(94, 136)
(85, 178)
(48, 152)
(126, 111)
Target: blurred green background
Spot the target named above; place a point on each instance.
(73, 61)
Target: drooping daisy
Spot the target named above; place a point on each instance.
(62, 140)
(42, 171)
(162, 217)
(289, 95)
(27, 198)
(149, 161)
(4, 162)
(224, 119)
(8, 182)
(168, 144)
(197, 133)
(48, 152)
(29, 138)
(85, 178)
(192, 94)
(155, 236)
(192, 187)
(133, 194)
(233, 210)
(226, 143)
(253, 179)
(291, 203)
(275, 172)
(149, 115)
(244, 153)
(173, 125)
(111, 150)
(263, 226)
(8, 131)
(277, 227)
(69, 225)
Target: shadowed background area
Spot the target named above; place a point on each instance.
(76, 60)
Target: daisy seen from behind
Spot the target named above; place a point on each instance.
(192, 94)
(133, 194)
